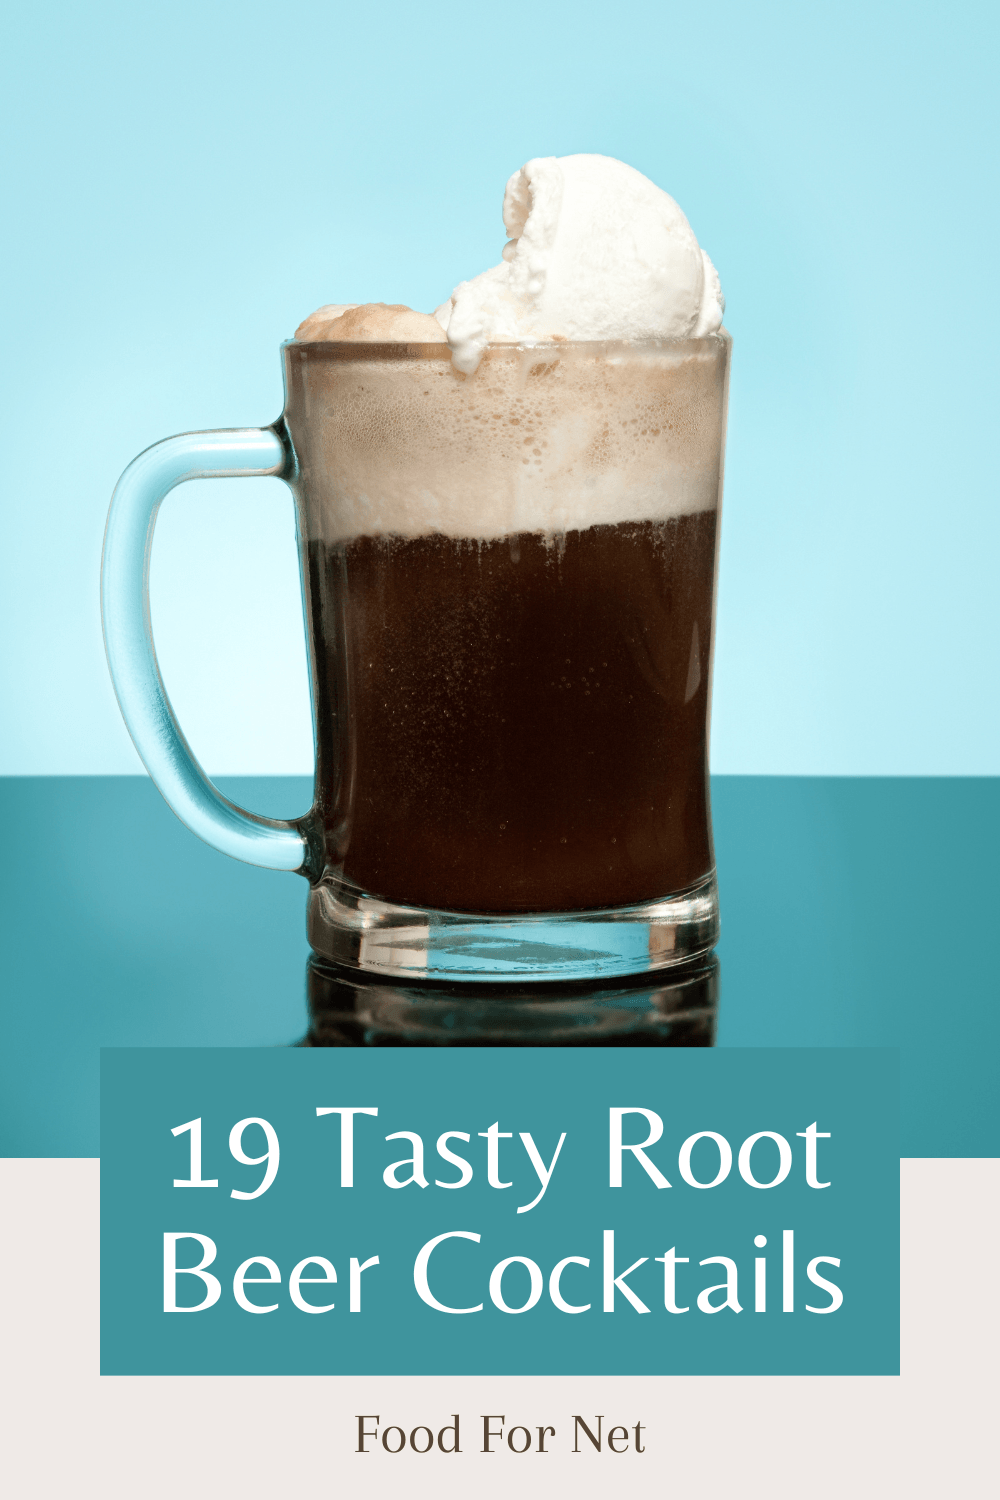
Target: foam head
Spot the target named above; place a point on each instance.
(552, 439)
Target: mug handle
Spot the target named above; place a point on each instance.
(128, 638)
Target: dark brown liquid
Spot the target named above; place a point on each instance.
(515, 726)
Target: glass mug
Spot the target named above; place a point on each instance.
(508, 583)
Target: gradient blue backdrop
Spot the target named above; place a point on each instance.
(186, 181)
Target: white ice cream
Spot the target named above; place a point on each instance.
(596, 251)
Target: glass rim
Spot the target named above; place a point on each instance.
(343, 349)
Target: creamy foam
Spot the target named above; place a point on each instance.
(369, 323)
(544, 440)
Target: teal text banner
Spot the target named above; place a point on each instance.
(478, 1211)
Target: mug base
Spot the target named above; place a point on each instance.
(360, 932)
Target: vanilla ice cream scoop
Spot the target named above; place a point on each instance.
(596, 251)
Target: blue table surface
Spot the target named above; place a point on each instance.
(857, 912)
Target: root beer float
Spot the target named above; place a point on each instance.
(508, 513)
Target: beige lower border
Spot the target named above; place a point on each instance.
(68, 1433)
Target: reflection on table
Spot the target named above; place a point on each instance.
(674, 1008)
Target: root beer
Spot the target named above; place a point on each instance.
(517, 725)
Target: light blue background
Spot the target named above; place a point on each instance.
(185, 182)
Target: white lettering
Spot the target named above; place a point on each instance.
(346, 1136)
(729, 1286)
(496, 1283)
(171, 1271)
(725, 1159)
(356, 1270)
(611, 1280)
(297, 1279)
(784, 1158)
(639, 1152)
(671, 1260)
(241, 1279)
(416, 1162)
(555, 1292)
(194, 1148)
(493, 1137)
(811, 1135)
(760, 1276)
(836, 1295)
(788, 1270)
(420, 1271)
(272, 1155)
(543, 1172)
(456, 1161)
